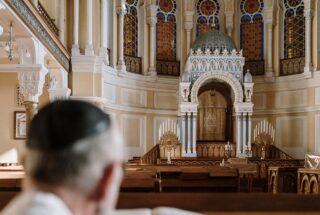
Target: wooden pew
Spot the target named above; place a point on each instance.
(225, 203)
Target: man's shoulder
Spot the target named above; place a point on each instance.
(36, 203)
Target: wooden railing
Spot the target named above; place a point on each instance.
(133, 64)
(47, 19)
(171, 68)
(255, 67)
(152, 156)
(292, 66)
(271, 152)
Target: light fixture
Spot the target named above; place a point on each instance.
(9, 45)
(28, 55)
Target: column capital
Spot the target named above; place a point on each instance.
(152, 21)
(308, 13)
(121, 10)
(59, 94)
(152, 9)
(31, 81)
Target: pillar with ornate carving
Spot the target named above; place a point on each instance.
(188, 25)
(103, 52)
(229, 22)
(121, 10)
(31, 81)
(308, 16)
(152, 21)
(75, 47)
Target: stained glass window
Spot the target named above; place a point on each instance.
(294, 29)
(131, 28)
(207, 15)
(166, 30)
(251, 29)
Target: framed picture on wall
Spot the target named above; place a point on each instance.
(20, 126)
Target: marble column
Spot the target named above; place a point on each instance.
(31, 80)
(103, 52)
(308, 64)
(188, 25)
(244, 132)
(75, 48)
(152, 21)
(121, 63)
(238, 134)
(183, 133)
(249, 131)
(194, 140)
(189, 133)
(61, 20)
(89, 45)
(229, 22)
(269, 71)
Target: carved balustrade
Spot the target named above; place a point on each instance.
(171, 68)
(308, 181)
(47, 19)
(214, 150)
(292, 66)
(282, 179)
(255, 67)
(133, 64)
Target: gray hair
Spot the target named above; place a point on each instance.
(80, 166)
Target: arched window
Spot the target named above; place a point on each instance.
(252, 34)
(131, 28)
(294, 29)
(207, 15)
(166, 30)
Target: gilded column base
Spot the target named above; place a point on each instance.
(31, 111)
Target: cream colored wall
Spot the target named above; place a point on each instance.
(8, 83)
(138, 104)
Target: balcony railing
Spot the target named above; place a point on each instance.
(255, 67)
(171, 68)
(47, 19)
(291, 66)
(133, 64)
(36, 23)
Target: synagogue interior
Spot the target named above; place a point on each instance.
(212, 97)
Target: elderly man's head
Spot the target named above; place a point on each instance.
(73, 144)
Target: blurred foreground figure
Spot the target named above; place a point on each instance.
(73, 162)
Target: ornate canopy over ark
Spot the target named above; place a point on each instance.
(213, 62)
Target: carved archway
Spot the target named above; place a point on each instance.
(228, 78)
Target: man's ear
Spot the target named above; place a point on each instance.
(104, 183)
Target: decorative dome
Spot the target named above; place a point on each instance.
(248, 77)
(213, 40)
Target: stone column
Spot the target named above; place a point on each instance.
(249, 131)
(229, 22)
(121, 63)
(188, 25)
(61, 20)
(104, 31)
(31, 81)
(244, 132)
(89, 46)
(75, 48)
(189, 133)
(152, 67)
(238, 134)
(152, 21)
(269, 71)
(183, 133)
(194, 140)
(308, 33)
